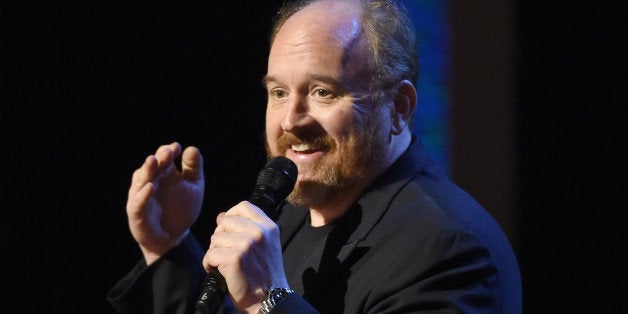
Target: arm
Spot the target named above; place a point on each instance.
(163, 203)
(169, 285)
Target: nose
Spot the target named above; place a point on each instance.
(296, 115)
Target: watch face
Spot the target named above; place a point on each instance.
(276, 294)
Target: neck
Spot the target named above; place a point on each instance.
(323, 214)
(340, 203)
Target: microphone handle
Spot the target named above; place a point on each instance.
(212, 294)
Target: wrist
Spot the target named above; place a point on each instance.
(153, 253)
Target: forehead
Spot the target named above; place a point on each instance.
(325, 33)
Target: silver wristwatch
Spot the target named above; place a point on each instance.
(274, 296)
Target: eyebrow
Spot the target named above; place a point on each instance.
(268, 79)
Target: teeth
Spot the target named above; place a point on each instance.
(301, 147)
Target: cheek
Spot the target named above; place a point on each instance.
(338, 124)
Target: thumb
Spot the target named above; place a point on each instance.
(192, 164)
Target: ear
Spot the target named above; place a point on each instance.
(404, 103)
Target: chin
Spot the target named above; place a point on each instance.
(311, 194)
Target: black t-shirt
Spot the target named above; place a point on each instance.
(303, 254)
(310, 258)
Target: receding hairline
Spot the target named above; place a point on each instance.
(291, 8)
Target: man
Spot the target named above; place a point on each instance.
(372, 225)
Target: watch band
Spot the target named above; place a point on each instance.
(274, 296)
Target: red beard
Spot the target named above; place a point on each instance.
(345, 162)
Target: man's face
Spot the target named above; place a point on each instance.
(318, 113)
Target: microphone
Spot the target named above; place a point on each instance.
(274, 182)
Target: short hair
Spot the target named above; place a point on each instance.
(389, 34)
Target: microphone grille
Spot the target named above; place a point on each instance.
(279, 174)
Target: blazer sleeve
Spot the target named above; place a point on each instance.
(170, 285)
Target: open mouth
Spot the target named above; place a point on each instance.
(305, 148)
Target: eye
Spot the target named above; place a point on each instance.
(278, 93)
(323, 93)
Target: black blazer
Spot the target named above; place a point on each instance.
(414, 242)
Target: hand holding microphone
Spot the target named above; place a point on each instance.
(246, 243)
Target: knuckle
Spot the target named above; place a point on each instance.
(205, 263)
(257, 235)
(273, 228)
(136, 175)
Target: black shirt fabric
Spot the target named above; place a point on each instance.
(311, 256)
(303, 254)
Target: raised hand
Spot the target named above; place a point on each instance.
(163, 201)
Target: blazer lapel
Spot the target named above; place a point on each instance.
(369, 208)
(376, 199)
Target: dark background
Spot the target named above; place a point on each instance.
(89, 89)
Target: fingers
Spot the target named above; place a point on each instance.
(249, 211)
(226, 249)
(231, 240)
(239, 225)
(166, 154)
(243, 220)
(143, 175)
(137, 199)
(247, 219)
(143, 182)
(192, 164)
(154, 165)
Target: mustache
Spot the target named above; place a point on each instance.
(288, 139)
